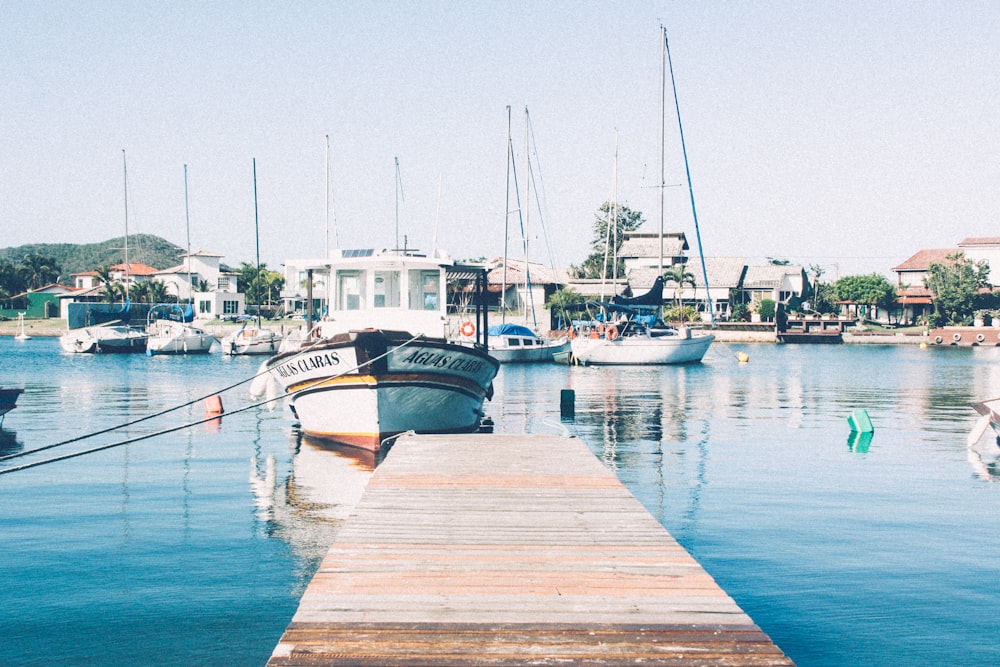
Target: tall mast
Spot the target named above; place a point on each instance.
(663, 114)
(125, 180)
(256, 230)
(687, 170)
(187, 226)
(527, 213)
(506, 230)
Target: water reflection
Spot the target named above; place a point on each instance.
(307, 507)
(9, 442)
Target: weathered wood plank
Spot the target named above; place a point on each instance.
(503, 550)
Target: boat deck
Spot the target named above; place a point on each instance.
(500, 550)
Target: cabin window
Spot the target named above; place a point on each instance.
(350, 294)
(386, 289)
(425, 290)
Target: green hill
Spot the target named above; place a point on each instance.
(77, 258)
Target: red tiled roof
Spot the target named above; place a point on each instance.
(924, 258)
(135, 269)
(980, 240)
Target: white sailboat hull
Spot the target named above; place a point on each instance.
(263, 341)
(167, 337)
(642, 349)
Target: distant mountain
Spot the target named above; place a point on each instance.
(73, 258)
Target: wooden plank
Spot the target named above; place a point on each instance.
(502, 550)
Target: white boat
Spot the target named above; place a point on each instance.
(21, 333)
(251, 339)
(171, 332)
(627, 331)
(379, 364)
(513, 343)
(628, 341)
(111, 339)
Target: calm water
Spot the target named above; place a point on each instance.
(194, 546)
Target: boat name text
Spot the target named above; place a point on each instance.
(306, 364)
(439, 360)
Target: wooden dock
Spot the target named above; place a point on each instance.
(511, 550)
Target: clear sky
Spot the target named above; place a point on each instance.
(845, 134)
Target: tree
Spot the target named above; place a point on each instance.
(38, 270)
(562, 301)
(679, 275)
(817, 272)
(869, 290)
(955, 288)
(605, 246)
(259, 286)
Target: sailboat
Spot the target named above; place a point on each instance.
(21, 333)
(168, 324)
(110, 337)
(510, 342)
(253, 339)
(629, 330)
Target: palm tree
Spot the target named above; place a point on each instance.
(678, 274)
(114, 291)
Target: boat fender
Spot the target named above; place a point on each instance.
(980, 337)
(938, 340)
(612, 332)
(956, 337)
(468, 329)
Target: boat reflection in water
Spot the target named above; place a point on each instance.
(307, 508)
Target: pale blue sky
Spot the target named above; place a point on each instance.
(847, 134)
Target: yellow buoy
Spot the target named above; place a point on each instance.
(923, 346)
(743, 357)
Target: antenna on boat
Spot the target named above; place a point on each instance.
(399, 195)
(687, 170)
(331, 206)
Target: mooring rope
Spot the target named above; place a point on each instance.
(172, 429)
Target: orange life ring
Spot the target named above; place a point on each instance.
(612, 332)
(600, 329)
(594, 334)
(468, 329)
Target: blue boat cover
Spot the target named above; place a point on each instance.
(511, 330)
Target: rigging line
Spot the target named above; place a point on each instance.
(542, 203)
(687, 170)
(172, 429)
(520, 219)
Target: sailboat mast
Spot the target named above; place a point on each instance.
(687, 170)
(125, 180)
(256, 230)
(506, 228)
(187, 226)
(663, 115)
